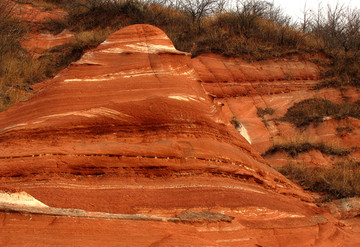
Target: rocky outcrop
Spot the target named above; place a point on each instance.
(38, 42)
(244, 87)
(226, 77)
(345, 208)
(129, 146)
(38, 20)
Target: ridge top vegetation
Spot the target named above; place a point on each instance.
(254, 29)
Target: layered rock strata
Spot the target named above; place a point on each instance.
(38, 42)
(244, 87)
(129, 130)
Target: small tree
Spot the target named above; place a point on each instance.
(197, 9)
(339, 28)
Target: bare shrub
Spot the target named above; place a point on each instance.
(339, 30)
(198, 9)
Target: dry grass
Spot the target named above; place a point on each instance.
(17, 75)
(340, 181)
(343, 71)
(12, 58)
(236, 33)
(315, 110)
(294, 148)
(92, 38)
(261, 112)
(229, 33)
(18, 71)
(262, 35)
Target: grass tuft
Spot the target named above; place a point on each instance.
(316, 110)
(261, 112)
(339, 181)
(296, 147)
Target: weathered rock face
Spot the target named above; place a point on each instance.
(345, 208)
(38, 40)
(128, 145)
(244, 87)
(234, 77)
(36, 43)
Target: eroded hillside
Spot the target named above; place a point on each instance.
(116, 133)
(140, 138)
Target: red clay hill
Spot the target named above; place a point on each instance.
(126, 148)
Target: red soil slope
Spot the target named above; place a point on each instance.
(129, 132)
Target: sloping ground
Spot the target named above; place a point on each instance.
(39, 20)
(129, 131)
(243, 87)
(33, 15)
